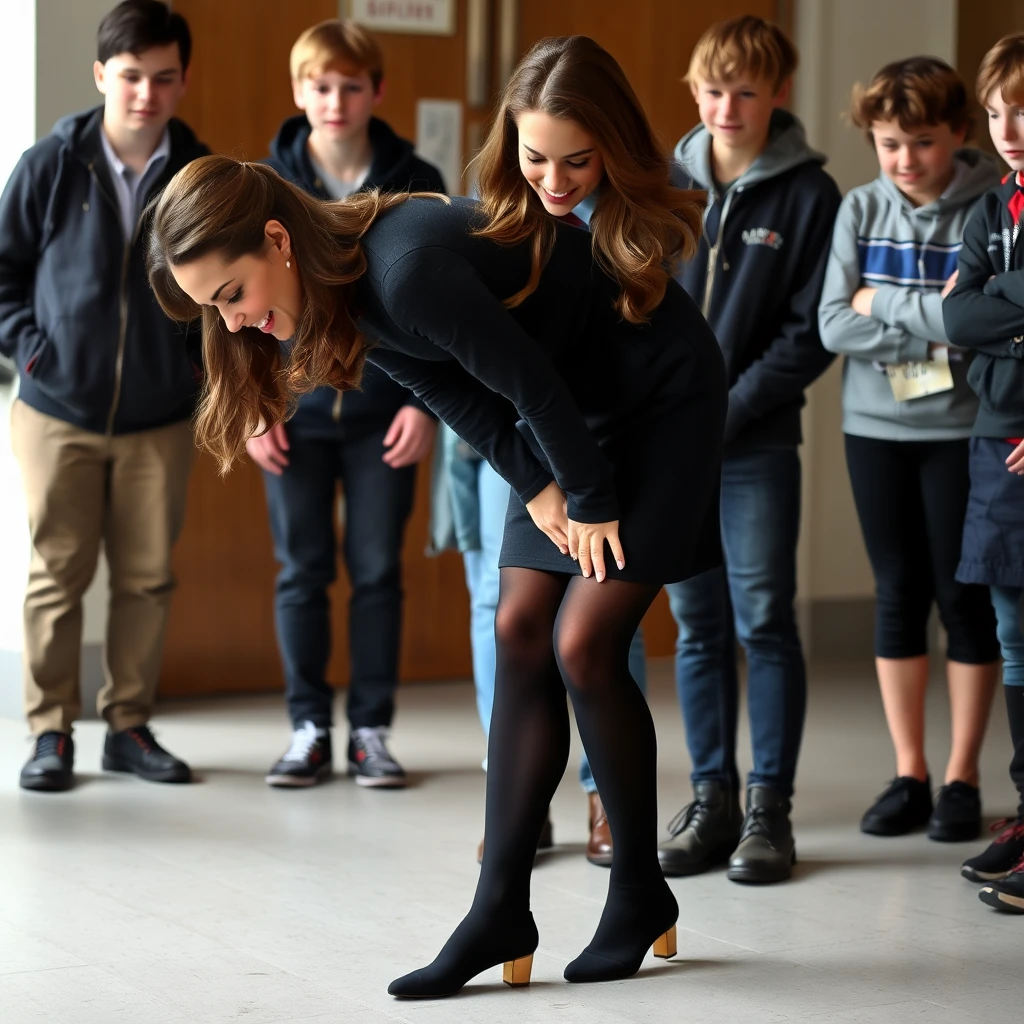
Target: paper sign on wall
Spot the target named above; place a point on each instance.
(439, 139)
(433, 17)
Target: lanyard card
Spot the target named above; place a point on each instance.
(916, 380)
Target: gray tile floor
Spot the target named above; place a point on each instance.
(226, 901)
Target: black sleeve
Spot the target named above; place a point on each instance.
(22, 210)
(436, 294)
(484, 420)
(972, 318)
(426, 178)
(796, 357)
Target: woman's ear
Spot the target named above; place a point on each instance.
(277, 235)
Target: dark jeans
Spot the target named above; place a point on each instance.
(303, 503)
(750, 598)
(911, 499)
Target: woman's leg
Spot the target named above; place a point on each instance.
(527, 752)
(595, 627)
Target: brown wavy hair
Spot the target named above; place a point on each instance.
(916, 93)
(220, 205)
(642, 224)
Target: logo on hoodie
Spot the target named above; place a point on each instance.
(762, 236)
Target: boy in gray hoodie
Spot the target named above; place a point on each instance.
(907, 416)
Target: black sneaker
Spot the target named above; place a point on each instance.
(50, 767)
(371, 763)
(1001, 855)
(136, 751)
(1008, 893)
(307, 761)
(905, 806)
(957, 814)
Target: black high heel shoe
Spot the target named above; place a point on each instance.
(469, 951)
(634, 920)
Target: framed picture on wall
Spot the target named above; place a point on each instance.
(425, 17)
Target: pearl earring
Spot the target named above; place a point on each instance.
(288, 264)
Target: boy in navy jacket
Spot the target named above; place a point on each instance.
(108, 384)
(371, 440)
(757, 277)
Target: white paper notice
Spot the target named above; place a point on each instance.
(439, 139)
(435, 17)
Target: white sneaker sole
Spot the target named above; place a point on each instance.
(377, 782)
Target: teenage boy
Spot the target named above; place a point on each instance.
(107, 389)
(371, 441)
(985, 312)
(757, 277)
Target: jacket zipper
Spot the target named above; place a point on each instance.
(709, 281)
(122, 333)
(336, 408)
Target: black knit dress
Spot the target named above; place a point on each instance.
(627, 419)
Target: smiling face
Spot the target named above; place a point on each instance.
(738, 114)
(559, 159)
(1006, 127)
(141, 91)
(337, 106)
(256, 290)
(918, 161)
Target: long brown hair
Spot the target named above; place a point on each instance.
(642, 225)
(220, 205)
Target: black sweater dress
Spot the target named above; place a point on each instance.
(627, 419)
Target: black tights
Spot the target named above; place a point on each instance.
(556, 633)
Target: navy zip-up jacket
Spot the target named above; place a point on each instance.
(985, 312)
(395, 168)
(92, 345)
(758, 278)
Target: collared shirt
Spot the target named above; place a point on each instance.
(131, 187)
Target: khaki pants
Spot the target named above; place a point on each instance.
(82, 488)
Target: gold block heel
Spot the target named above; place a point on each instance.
(517, 972)
(664, 945)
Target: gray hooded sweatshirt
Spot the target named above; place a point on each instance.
(881, 240)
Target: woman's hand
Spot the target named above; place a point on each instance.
(861, 301)
(268, 450)
(1015, 460)
(586, 544)
(547, 510)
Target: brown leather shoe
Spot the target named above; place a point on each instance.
(546, 841)
(599, 848)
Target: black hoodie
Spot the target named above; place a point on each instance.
(985, 312)
(759, 286)
(395, 168)
(92, 345)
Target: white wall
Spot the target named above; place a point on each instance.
(50, 47)
(842, 42)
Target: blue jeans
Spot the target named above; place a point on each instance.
(492, 494)
(750, 599)
(303, 508)
(1007, 603)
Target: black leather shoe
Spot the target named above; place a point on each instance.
(50, 767)
(703, 833)
(767, 851)
(957, 814)
(904, 806)
(136, 751)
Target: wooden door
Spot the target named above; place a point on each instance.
(221, 633)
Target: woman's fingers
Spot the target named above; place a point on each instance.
(587, 541)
